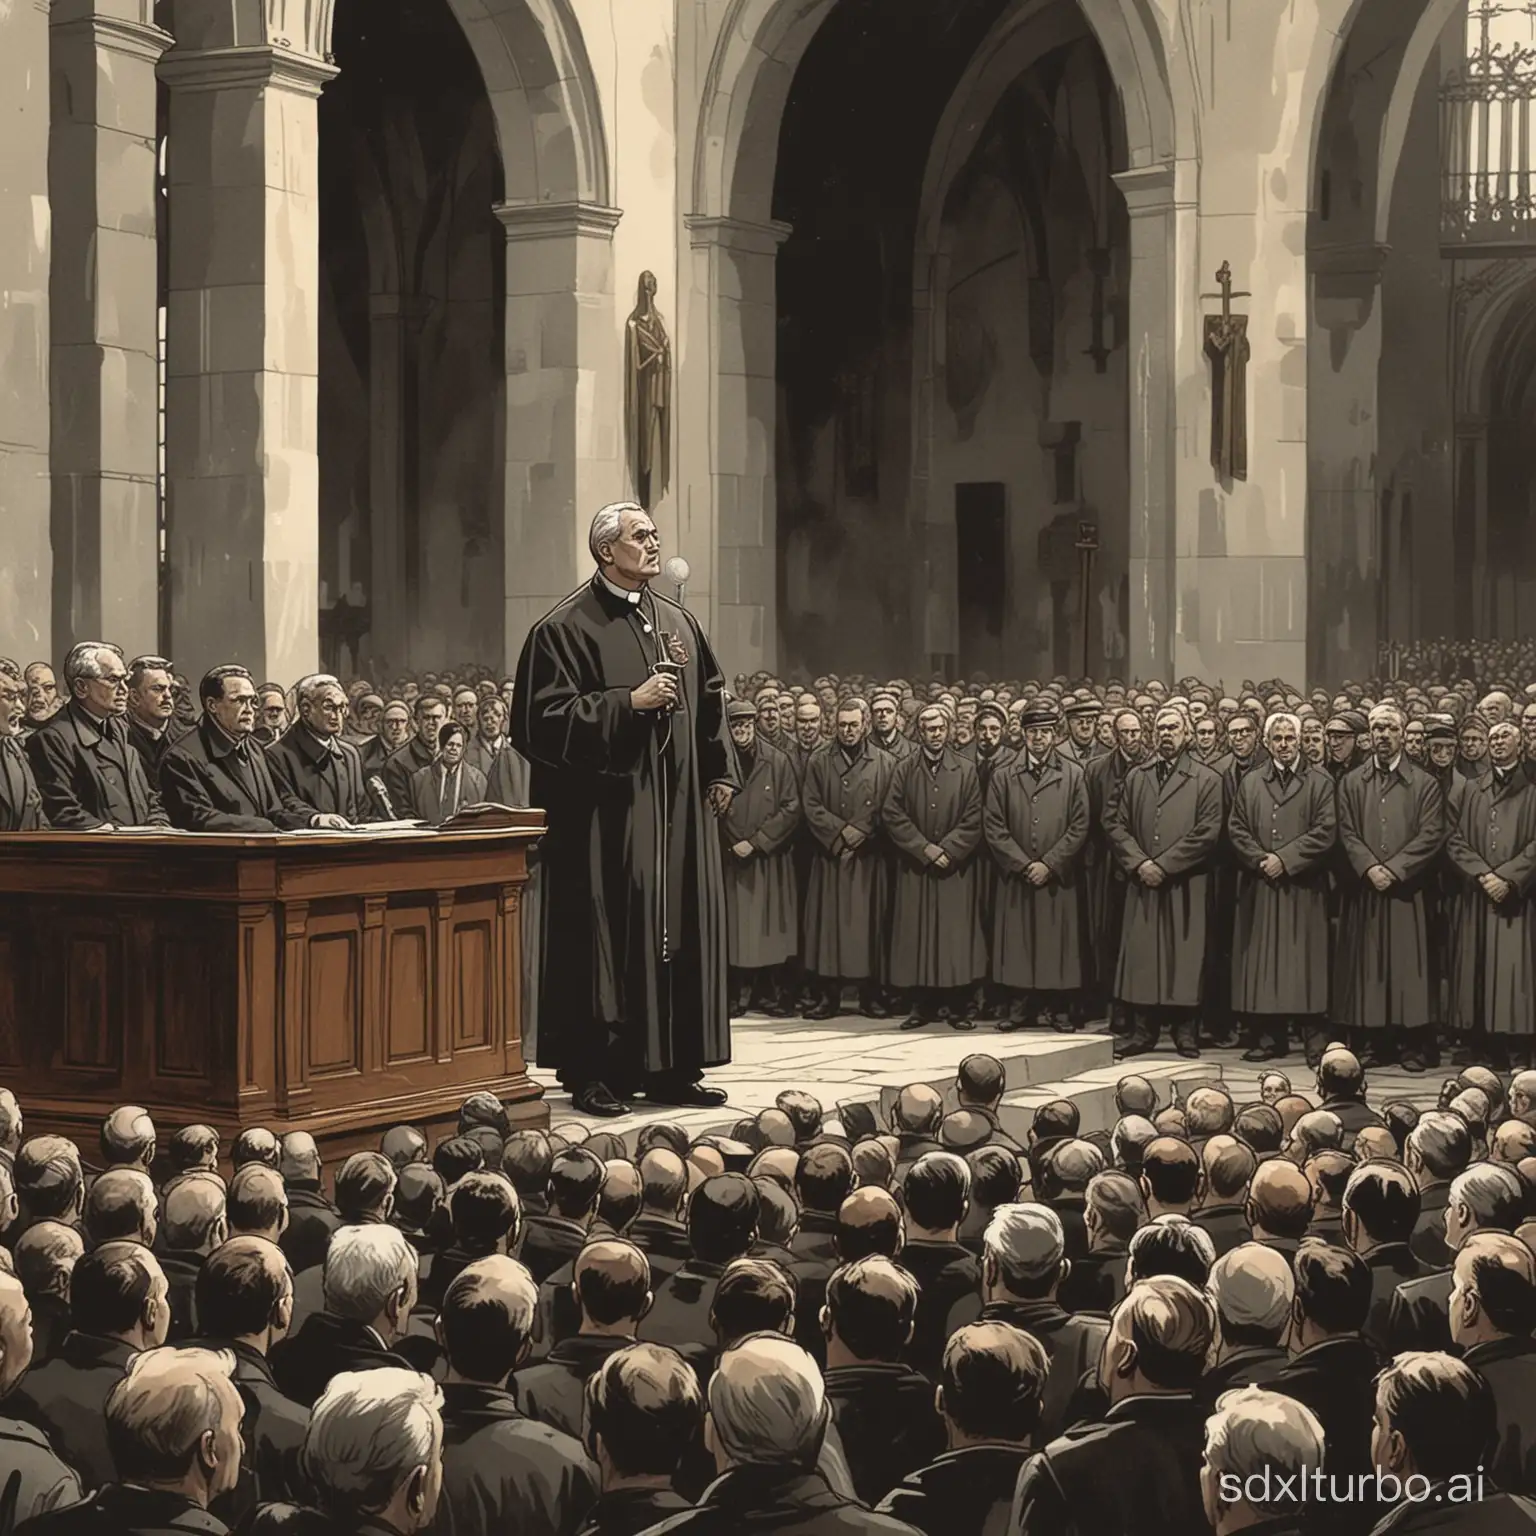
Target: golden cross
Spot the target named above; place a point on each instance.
(1224, 281)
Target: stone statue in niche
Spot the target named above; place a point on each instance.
(648, 397)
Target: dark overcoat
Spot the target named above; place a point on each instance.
(399, 768)
(1381, 963)
(1178, 827)
(842, 931)
(435, 800)
(21, 807)
(935, 938)
(762, 913)
(1493, 945)
(315, 776)
(1036, 930)
(210, 787)
(634, 961)
(1280, 929)
(1103, 879)
(75, 762)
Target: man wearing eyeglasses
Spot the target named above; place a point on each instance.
(314, 762)
(87, 771)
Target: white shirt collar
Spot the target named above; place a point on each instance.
(623, 594)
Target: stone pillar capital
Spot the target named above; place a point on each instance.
(1152, 190)
(553, 221)
(128, 39)
(737, 234)
(222, 69)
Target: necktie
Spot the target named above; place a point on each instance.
(1164, 768)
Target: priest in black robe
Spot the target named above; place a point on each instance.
(619, 707)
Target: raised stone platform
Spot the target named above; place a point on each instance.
(861, 1061)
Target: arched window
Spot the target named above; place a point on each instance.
(1488, 125)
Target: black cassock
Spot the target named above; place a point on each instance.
(633, 973)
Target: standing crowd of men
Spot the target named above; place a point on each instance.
(1033, 855)
(1302, 1316)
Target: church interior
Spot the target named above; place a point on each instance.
(1119, 337)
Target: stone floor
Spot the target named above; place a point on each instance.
(856, 1060)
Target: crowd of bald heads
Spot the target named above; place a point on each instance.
(952, 1314)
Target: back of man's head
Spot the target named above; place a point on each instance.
(644, 1405)
(1441, 1144)
(996, 1177)
(723, 1218)
(804, 1111)
(868, 1222)
(1280, 1199)
(778, 1213)
(873, 1164)
(992, 1381)
(768, 1405)
(1054, 1121)
(937, 1191)
(1492, 1195)
(403, 1145)
(754, 1296)
(1253, 1289)
(296, 1157)
(1134, 1095)
(193, 1146)
(121, 1204)
(1340, 1075)
(1129, 1141)
(980, 1080)
(1116, 1203)
(1328, 1174)
(456, 1156)
(1494, 1279)
(46, 1255)
(1229, 1166)
(257, 1200)
(484, 1108)
(1022, 1250)
(1065, 1167)
(485, 1213)
(167, 1401)
(48, 1178)
(239, 1287)
(918, 1110)
(195, 1220)
(1444, 1411)
(1208, 1112)
(575, 1183)
(525, 1159)
(1170, 1172)
(1171, 1245)
(1333, 1286)
(1260, 1447)
(824, 1178)
(1169, 1324)
(487, 1318)
(871, 1305)
(128, 1137)
(1260, 1126)
(365, 1268)
(365, 1187)
(663, 1182)
(1384, 1201)
(612, 1280)
(370, 1435)
(110, 1287)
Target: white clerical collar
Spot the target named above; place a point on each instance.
(623, 594)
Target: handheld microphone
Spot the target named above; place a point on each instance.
(381, 796)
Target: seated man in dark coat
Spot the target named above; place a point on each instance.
(643, 1406)
(1488, 1197)
(1023, 1265)
(824, 1178)
(1263, 1454)
(216, 778)
(1139, 1469)
(1333, 1371)
(1493, 1313)
(118, 1306)
(1436, 1427)
(884, 1410)
(989, 1398)
(314, 763)
(659, 1231)
(370, 1288)
(936, 1193)
(84, 765)
(169, 1466)
(1381, 1204)
(244, 1302)
(1229, 1166)
(1437, 1149)
(45, 1256)
(575, 1187)
(195, 1224)
(1113, 1212)
(35, 1477)
(1341, 1089)
(722, 1225)
(501, 1471)
(612, 1287)
(21, 806)
(768, 1416)
(311, 1217)
(484, 1211)
(1253, 1290)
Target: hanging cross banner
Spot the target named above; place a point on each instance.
(1226, 344)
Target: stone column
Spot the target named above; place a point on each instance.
(242, 358)
(1161, 321)
(105, 305)
(1343, 515)
(393, 580)
(26, 562)
(730, 405)
(564, 400)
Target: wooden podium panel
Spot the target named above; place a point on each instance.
(330, 982)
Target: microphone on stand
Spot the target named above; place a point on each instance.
(678, 571)
(381, 797)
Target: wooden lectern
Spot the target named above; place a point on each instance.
(330, 982)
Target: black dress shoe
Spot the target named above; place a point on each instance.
(597, 1099)
(873, 1008)
(961, 1025)
(825, 1009)
(1265, 1053)
(917, 1021)
(1134, 1045)
(685, 1095)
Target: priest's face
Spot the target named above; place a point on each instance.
(1504, 744)
(325, 710)
(236, 710)
(744, 732)
(1284, 743)
(635, 556)
(850, 727)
